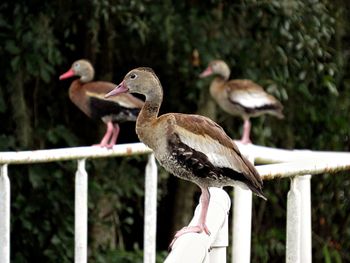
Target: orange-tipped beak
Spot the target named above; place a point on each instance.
(121, 88)
(206, 72)
(70, 73)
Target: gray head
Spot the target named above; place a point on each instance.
(140, 80)
(218, 67)
(82, 68)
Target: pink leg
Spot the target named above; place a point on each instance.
(107, 135)
(204, 200)
(246, 132)
(115, 134)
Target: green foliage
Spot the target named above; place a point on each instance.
(298, 50)
(331, 256)
(45, 233)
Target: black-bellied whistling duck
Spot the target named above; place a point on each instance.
(88, 96)
(240, 97)
(191, 147)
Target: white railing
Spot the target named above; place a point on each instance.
(298, 165)
(81, 192)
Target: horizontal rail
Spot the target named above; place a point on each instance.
(288, 163)
(268, 155)
(64, 154)
(282, 170)
(262, 155)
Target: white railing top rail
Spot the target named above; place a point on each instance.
(265, 155)
(287, 163)
(65, 154)
(313, 166)
(262, 154)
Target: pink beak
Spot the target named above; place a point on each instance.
(206, 72)
(121, 88)
(70, 73)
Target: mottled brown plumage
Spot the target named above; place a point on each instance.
(191, 147)
(240, 97)
(88, 96)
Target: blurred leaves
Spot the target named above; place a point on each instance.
(298, 50)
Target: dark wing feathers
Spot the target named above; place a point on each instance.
(89, 97)
(119, 108)
(100, 88)
(100, 108)
(202, 146)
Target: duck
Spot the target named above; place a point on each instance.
(241, 97)
(191, 147)
(88, 96)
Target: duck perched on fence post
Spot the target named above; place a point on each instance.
(240, 97)
(192, 147)
(88, 96)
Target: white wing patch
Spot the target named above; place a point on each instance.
(251, 99)
(217, 154)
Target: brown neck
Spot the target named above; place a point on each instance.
(148, 115)
(78, 97)
(216, 85)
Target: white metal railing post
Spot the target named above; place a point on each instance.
(242, 222)
(150, 223)
(241, 230)
(81, 204)
(4, 215)
(287, 164)
(293, 223)
(219, 246)
(304, 187)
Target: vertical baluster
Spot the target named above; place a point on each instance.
(293, 223)
(81, 184)
(304, 187)
(219, 246)
(4, 215)
(242, 219)
(150, 223)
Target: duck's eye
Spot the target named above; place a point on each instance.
(133, 76)
(76, 65)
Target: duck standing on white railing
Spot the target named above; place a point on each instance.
(191, 147)
(240, 97)
(88, 96)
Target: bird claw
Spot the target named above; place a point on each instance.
(245, 141)
(189, 229)
(109, 146)
(106, 144)
(102, 145)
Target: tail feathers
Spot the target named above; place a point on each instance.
(259, 193)
(278, 113)
(256, 190)
(249, 180)
(274, 109)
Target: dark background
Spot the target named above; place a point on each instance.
(297, 50)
